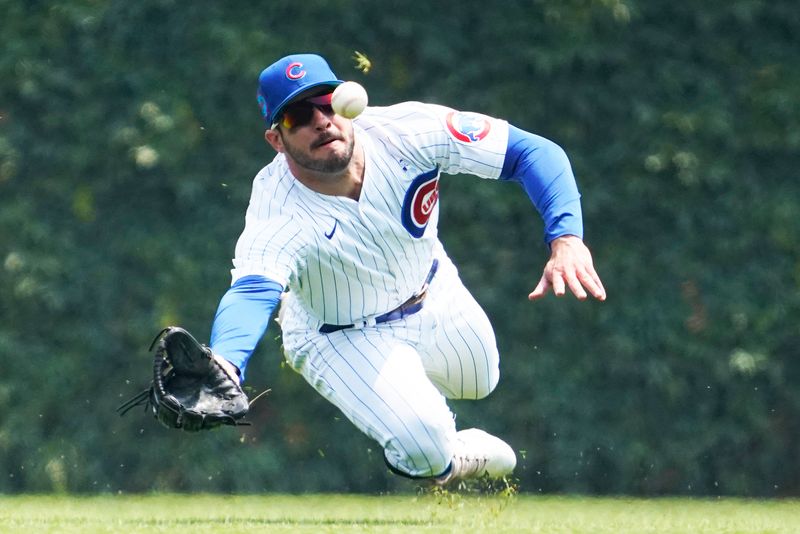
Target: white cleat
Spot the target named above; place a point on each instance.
(478, 453)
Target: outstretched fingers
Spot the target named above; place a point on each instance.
(591, 281)
(541, 289)
(570, 267)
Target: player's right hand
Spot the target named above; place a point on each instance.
(570, 266)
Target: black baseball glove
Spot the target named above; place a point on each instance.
(190, 389)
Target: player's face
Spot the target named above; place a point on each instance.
(314, 137)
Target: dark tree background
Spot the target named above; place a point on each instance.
(129, 137)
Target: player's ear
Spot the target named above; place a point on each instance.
(273, 137)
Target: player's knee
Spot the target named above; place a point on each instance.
(483, 383)
(486, 386)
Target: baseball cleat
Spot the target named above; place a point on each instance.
(478, 453)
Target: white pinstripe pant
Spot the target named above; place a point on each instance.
(392, 380)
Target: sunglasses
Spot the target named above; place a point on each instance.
(301, 113)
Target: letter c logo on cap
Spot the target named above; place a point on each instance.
(294, 71)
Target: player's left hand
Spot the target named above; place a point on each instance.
(192, 388)
(570, 265)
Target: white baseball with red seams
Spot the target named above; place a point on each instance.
(349, 100)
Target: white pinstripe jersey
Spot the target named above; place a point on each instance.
(345, 260)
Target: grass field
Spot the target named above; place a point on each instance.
(443, 513)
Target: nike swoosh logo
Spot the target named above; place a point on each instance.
(330, 235)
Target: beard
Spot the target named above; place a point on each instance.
(333, 163)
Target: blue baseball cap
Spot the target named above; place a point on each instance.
(288, 78)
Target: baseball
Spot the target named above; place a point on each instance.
(349, 100)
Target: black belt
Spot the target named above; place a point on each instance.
(409, 307)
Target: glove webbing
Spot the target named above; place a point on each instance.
(143, 397)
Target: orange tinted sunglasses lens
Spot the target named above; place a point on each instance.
(301, 113)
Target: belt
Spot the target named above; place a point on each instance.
(409, 307)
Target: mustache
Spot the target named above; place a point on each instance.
(326, 138)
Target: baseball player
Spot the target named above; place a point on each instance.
(341, 229)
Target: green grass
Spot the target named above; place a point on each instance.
(440, 513)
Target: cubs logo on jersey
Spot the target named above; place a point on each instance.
(420, 200)
(467, 127)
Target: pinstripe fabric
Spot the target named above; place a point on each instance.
(391, 380)
(343, 261)
(462, 358)
(376, 378)
(371, 263)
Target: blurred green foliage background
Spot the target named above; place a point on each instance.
(129, 137)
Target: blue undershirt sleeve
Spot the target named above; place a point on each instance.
(544, 171)
(242, 318)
